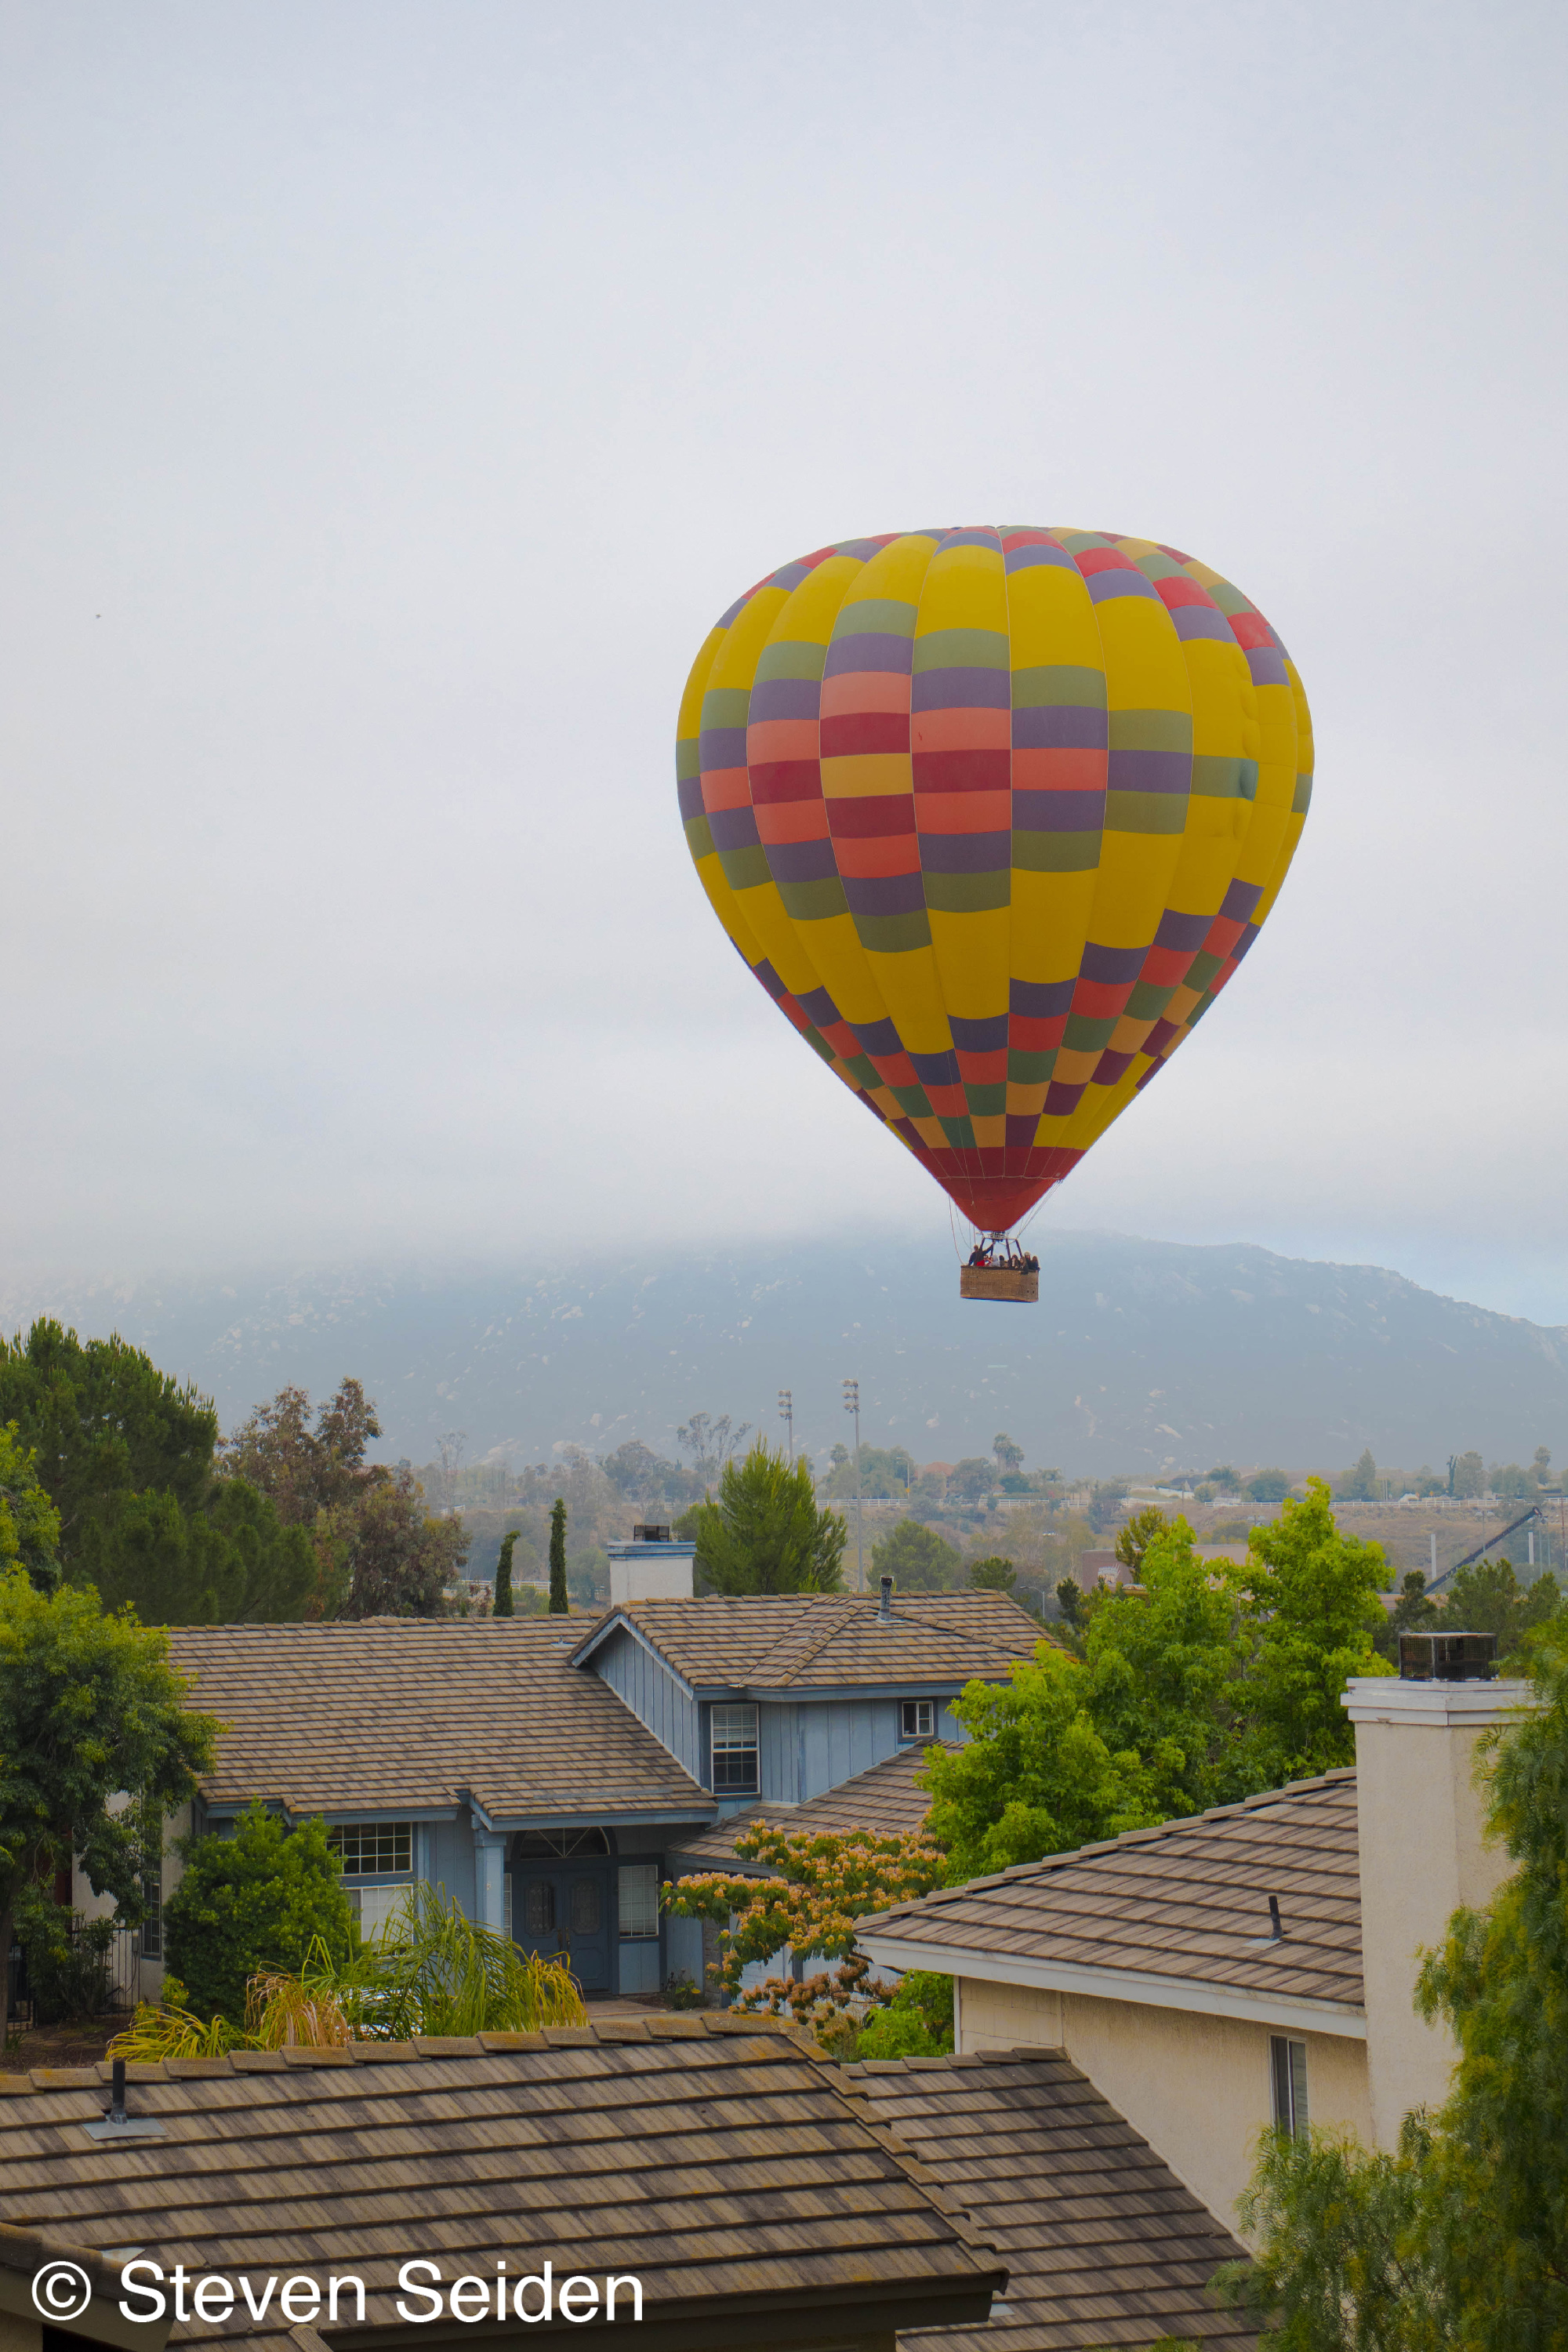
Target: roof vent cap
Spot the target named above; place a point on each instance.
(885, 1606)
(1427, 1657)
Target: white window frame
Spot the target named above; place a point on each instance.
(734, 1730)
(373, 1833)
(917, 1707)
(637, 1882)
(1288, 2078)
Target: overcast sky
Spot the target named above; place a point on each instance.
(394, 395)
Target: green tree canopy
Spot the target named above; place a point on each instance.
(29, 1523)
(504, 1604)
(1313, 1596)
(992, 1575)
(1136, 1534)
(560, 1604)
(126, 1455)
(90, 1707)
(1164, 1672)
(253, 1904)
(1359, 1484)
(1486, 1597)
(301, 1471)
(916, 1558)
(1036, 1777)
(1269, 1487)
(764, 1533)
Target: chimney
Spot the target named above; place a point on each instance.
(885, 1606)
(654, 1566)
(1423, 1847)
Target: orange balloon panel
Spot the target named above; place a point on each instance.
(994, 816)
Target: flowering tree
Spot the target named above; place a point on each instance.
(816, 1888)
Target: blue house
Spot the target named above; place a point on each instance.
(550, 1771)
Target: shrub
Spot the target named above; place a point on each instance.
(252, 1905)
(916, 2022)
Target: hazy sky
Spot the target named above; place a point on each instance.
(394, 394)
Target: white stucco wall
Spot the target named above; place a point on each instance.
(1198, 2089)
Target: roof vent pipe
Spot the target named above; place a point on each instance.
(885, 1606)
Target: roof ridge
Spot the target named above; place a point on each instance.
(813, 1649)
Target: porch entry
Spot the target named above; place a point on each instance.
(560, 1902)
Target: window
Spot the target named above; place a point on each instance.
(1288, 2059)
(917, 1718)
(539, 1906)
(734, 1749)
(375, 1906)
(557, 1846)
(586, 1910)
(639, 1900)
(373, 1849)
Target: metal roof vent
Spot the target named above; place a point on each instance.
(1448, 1657)
(117, 2124)
(885, 1606)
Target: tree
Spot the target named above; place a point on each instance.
(1034, 1775)
(1413, 1608)
(227, 1562)
(90, 1707)
(303, 1472)
(1359, 1485)
(1164, 1672)
(916, 2023)
(990, 1575)
(29, 1523)
(383, 1556)
(1269, 1487)
(916, 1558)
(560, 1606)
(1466, 1475)
(1008, 1456)
(973, 1477)
(817, 1886)
(764, 1533)
(1486, 1597)
(1106, 1497)
(253, 1904)
(588, 1576)
(1541, 1465)
(503, 1599)
(1313, 1596)
(709, 1442)
(1226, 1478)
(1136, 1534)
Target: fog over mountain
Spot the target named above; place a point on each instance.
(1141, 1355)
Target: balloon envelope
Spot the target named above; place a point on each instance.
(994, 816)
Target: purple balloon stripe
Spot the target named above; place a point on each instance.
(960, 689)
(800, 861)
(1040, 1000)
(721, 746)
(734, 828)
(786, 697)
(1266, 664)
(884, 894)
(1058, 812)
(988, 1036)
(1200, 621)
(1113, 967)
(873, 649)
(1104, 585)
(965, 852)
(1150, 771)
(1060, 726)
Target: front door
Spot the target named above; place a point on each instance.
(566, 1909)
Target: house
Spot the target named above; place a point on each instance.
(716, 2176)
(547, 1771)
(1254, 1965)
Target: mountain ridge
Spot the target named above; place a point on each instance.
(1143, 1356)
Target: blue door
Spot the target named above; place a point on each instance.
(564, 1910)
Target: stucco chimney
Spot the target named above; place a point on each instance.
(653, 1566)
(1424, 1853)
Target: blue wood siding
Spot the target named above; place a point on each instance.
(451, 1862)
(654, 1696)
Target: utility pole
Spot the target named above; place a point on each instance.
(786, 1414)
(852, 1404)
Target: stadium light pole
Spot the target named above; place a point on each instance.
(852, 1404)
(786, 1414)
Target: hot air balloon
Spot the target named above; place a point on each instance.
(994, 814)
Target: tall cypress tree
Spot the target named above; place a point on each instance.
(503, 1603)
(558, 1601)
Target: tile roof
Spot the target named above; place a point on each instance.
(417, 1712)
(1188, 1902)
(710, 2158)
(1103, 2244)
(819, 1640)
(884, 1799)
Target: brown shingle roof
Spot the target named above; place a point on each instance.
(1188, 1902)
(406, 1711)
(885, 1799)
(710, 2159)
(1103, 2244)
(811, 1640)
